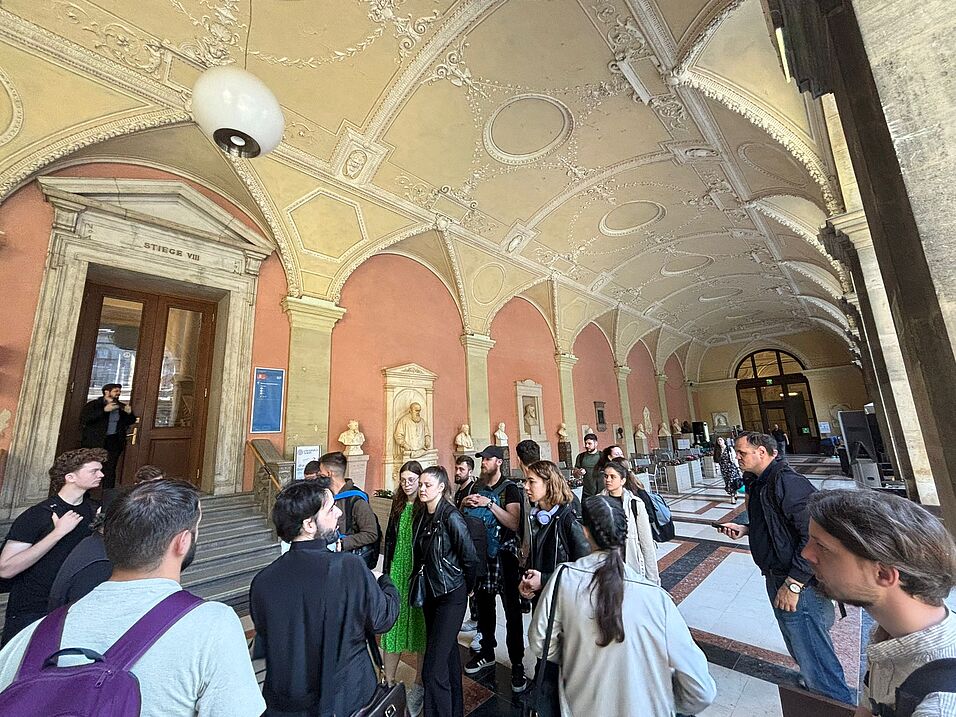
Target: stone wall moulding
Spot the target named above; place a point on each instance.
(409, 432)
(531, 423)
(356, 158)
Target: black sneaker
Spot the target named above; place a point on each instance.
(519, 683)
(478, 663)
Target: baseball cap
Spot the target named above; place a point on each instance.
(492, 452)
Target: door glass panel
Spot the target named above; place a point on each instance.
(746, 369)
(789, 364)
(117, 340)
(766, 364)
(175, 403)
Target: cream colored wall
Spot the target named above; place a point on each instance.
(836, 388)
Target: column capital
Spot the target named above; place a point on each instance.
(621, 371)
(688, 383)
(477, 343)
(854, 226)
(661, 377)
(308, 312)
(565, 360)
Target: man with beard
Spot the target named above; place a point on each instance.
(896, 560)
(103, 424)
(497, 501)
(200, 664)
(315, 609)
(778, 529)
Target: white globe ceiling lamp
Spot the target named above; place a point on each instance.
(237, 111)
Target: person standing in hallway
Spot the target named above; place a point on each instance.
(464, 478)
(896, 560)
(445, 555)
(640, 551)
(621, 644)
(783, 441)
(407, 635)
(729, 469)
(779, 527)
(358, 528)
(585, 464)
(44, 535)
(103, 424)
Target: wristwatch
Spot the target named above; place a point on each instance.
(795, 588)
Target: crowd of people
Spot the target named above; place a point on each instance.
(104, 585)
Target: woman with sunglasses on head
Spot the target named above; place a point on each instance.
(610, 621)
(445, 567)
(556, 534)
(640, 550)
(408, 633)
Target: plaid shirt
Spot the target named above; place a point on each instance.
(493, 581)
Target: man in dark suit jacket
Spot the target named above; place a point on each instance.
(103, 423)
(312, 609)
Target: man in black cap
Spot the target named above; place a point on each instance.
(497, 502)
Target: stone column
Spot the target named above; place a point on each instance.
(689, 387)
(855, 227)
(477, 347)
(622, 372)
(665, 415)
(566, 363)
(310, 366)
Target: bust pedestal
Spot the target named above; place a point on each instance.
(356, 470)
(641, 445)
(564, 453)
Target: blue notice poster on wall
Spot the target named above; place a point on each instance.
(267, 393)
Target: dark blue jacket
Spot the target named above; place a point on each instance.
(782, 494)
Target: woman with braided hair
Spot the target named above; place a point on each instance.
(611, 621)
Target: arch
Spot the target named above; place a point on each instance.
(751, 357)
(452, 290)
(516, 294)
(774, 344)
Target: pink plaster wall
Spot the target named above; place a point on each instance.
(674, 390)
(642, 390)
(26, 221)
(594, 380)
(397, 312)
(524, 348)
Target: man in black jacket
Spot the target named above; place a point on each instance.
(312, 609)
(103, 423)
(778, 528)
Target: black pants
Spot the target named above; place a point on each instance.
(441, 665)
(487, 618)
(114, 446)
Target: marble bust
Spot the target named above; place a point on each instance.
(562, 432)
(676, 428)
(412, 435)
(639, 431)
(501, 438)
(352, 439)
(463, 441)
(662, 430)
(531, 419)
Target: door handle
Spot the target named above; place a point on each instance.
(135, 434)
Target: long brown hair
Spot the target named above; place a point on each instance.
(607, 524)
(557, 490)
(399, 498)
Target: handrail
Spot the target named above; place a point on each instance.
(272, 473)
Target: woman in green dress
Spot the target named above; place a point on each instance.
(408, 633)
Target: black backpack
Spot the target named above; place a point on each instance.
(935, 676)
(369, 553)
(479, 536)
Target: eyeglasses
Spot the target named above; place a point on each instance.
(408, 481)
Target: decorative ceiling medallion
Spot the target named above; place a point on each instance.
(512, 110)
(719, 295)
(631, 217)
(488, 283)
(773, 162)
(687, 264)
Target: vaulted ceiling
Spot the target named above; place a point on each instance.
(644, 161)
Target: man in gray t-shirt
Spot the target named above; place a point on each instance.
(200, 666)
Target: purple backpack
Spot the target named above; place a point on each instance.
(102, 688)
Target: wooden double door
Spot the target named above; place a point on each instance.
(159, 347)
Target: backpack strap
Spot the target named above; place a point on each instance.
(149, 628)
(935, 676)
(43, 643)
(354, 493)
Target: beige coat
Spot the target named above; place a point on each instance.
(655, 672)
(640, 549)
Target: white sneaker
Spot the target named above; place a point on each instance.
(469, 626)
(476, 643)
(416, 700)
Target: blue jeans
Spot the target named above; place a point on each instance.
(807, 635)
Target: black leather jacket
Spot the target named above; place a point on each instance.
(443, 544)
(561, 541)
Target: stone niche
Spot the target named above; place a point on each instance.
(406, 385)
(531, 416)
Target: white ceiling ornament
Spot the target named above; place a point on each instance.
(687, 264)
(631, 217)
(509, 117)
(719, 295)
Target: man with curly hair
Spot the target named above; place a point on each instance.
(42, 537)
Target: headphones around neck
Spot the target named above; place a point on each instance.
(544, 516)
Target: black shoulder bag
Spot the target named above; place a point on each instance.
(544, 699)
(386, 701)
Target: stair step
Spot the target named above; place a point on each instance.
(250, 520)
